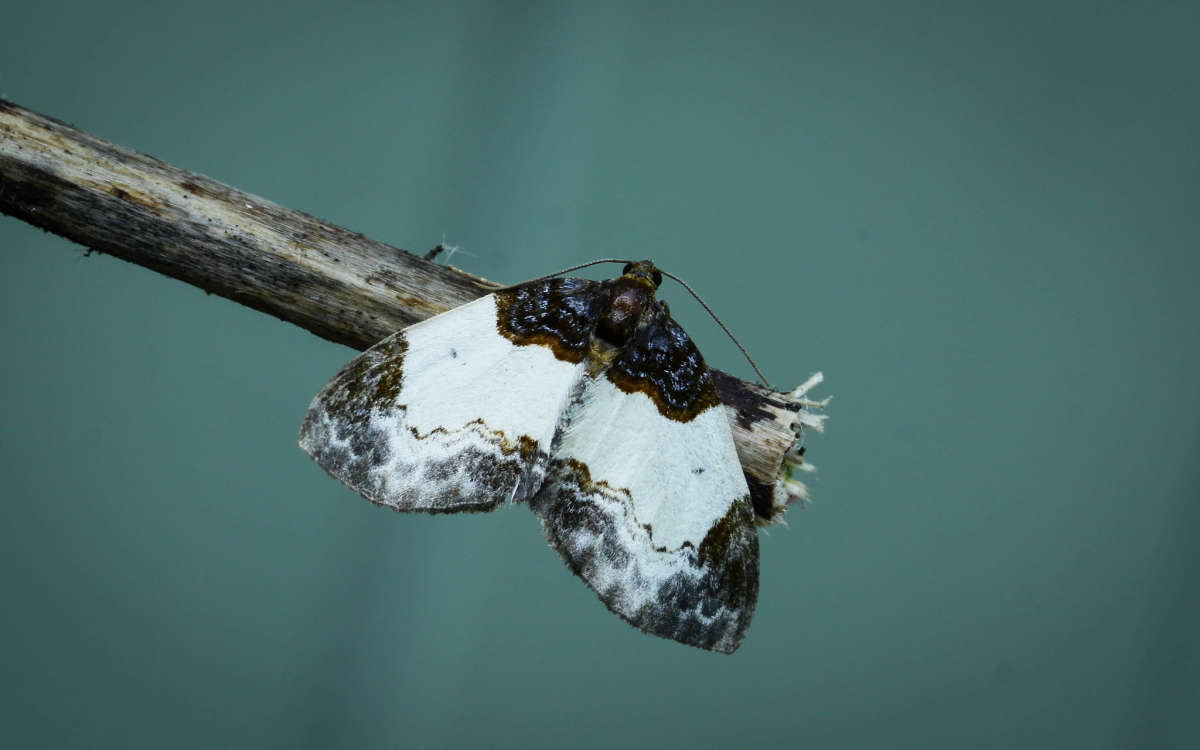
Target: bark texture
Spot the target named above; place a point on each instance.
(333, 282)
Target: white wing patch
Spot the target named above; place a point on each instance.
(682, 476)
(460, 370)
(443, 416)
(654, 514)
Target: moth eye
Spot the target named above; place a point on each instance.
(657, 279)
(626, 269)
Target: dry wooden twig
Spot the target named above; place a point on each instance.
(338, 284)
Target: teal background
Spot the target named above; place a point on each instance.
(978, 219)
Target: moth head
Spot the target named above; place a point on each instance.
(644, 269)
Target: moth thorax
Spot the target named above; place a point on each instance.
(624, 312)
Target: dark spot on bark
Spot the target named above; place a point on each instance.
(761, 496)
(746, 402)
(26, 192)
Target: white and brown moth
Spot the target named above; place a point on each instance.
(586, 400)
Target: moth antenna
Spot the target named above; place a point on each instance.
(565, 270)
(724, 328)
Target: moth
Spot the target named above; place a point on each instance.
(587, 401)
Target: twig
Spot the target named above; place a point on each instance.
(336, 283)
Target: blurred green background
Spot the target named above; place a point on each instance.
(979, 220)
